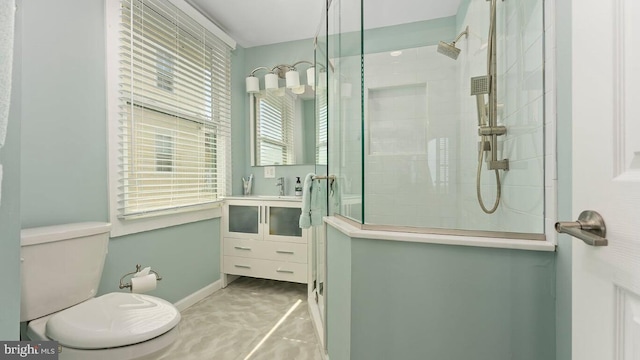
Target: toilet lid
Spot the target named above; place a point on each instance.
(112, 320)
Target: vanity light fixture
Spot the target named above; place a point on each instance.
(253, 83)
(281, 71)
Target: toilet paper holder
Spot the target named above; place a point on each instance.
(138, 267)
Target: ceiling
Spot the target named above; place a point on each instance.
(263, 22)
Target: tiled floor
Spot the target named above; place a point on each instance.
(229, 324)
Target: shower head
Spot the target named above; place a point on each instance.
(450, 49)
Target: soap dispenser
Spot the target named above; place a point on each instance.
(298, 186)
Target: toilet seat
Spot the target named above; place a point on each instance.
(112, 320)
(150, 349)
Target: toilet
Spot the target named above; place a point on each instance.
(61, 269)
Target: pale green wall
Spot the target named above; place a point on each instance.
(405, 36)
(239, 120)
(427, 301)
(338, 295)
(564, 141)
(10, 205)
(64, 161)
(186, 256)
(64, 149)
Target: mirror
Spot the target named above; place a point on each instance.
(283, 127)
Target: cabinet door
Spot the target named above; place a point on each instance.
(283, 222)
(244, 220)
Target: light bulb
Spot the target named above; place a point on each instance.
(253, 84)
(271, 81)
(311, 76)
(292, 78)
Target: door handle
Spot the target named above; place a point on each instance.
(589, 228)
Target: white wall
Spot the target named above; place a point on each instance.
(410, 105)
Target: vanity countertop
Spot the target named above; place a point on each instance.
(264, 197)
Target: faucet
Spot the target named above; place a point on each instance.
(280, 183)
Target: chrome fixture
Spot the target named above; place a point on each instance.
(589, 228)
(280, 184)
(450, 49)
(133, 273)
(330, 178)
(281, 71)
(488, 128)
(324, 177)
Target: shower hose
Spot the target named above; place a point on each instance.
(492, 112)
(478, 191)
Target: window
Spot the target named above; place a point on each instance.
(164, 66)
(170, 117)
(321, 128)
(274, 128)
(164, 153)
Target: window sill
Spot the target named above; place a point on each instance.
(122, 227)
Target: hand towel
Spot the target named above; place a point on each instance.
(7, 19)
(305, 217)
(318, 202)
(336, 196)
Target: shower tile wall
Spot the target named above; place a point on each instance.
(347, 151)
(550, 117)
(410, 132)
(521, 109)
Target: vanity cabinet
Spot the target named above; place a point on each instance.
(261, 238)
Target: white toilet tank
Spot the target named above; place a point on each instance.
(61, 266)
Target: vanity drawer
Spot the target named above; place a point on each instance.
(269, 250)
(268, 269)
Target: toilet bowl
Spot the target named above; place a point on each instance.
(62, 266)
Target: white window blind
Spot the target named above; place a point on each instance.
(274, 128)
(321, 128)
(174, 111)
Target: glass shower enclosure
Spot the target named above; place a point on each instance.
(417, 115)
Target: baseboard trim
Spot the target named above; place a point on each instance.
(190, 300)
